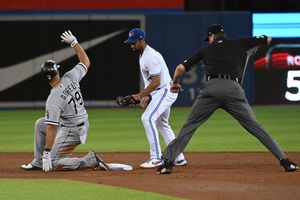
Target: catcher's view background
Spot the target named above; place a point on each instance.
(115, 70)
(223, 162)
(110, 59)
(277, 67)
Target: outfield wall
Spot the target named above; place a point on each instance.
(178, 36)
(31, 39)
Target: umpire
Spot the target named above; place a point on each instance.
(224, 62)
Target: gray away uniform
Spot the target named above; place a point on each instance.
(65, 108)
(224, 62)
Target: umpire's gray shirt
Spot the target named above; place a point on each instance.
(65, 103)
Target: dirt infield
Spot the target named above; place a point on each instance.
(207, 175)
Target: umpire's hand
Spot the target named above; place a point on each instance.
(175, 88)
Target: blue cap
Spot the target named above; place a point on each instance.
(135, 35)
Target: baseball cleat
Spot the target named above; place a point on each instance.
(182, 162)
(30, 166)
(152, 163)
(288, 165)
(101, 163)
(166, 168)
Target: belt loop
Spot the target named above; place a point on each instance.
(224, 76)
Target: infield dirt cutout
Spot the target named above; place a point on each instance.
(206, 176)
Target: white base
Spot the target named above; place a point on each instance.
(119, 167)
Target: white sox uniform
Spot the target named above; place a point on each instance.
(65, 108)
(156, 116)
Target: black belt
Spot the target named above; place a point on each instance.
(224, 76)
(81, 124)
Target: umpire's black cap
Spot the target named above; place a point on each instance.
(214, 28)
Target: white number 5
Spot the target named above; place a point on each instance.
(292, 82)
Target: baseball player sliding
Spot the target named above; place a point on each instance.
(156, 98)
(65, 124)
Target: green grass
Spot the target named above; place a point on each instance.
(118, 130)
(19, 189)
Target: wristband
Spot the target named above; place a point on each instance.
(47, 149)
(74, 43)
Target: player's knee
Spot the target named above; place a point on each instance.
(147, 119)
(40, 122)
(144, 117)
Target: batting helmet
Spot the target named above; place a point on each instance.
(49, 69)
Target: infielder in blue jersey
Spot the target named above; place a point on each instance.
(65, 125)
(156, 97)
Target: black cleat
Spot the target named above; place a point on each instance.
(101, 163)
(166, 168)
(288, 165)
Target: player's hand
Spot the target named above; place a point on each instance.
(144, 102)
(47, 164)
(69, 38)
(127, 100)
(176, 88)
(136, 97)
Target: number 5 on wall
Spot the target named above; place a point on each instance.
(292, 82)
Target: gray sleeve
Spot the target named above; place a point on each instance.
(77, 73)
(53, 111)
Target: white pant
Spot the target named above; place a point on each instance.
(156, 118)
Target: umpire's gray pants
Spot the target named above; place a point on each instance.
(229, 95)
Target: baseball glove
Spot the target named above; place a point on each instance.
(127, 100)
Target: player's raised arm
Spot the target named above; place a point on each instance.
(70, 39)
